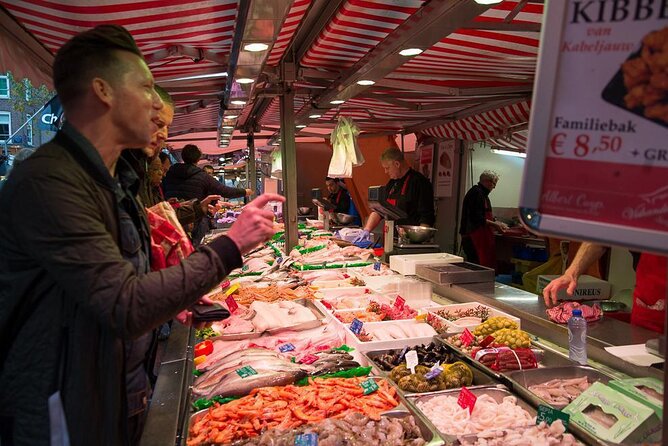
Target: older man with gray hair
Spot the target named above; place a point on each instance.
(478, 222)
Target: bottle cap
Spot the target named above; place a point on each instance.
(577, 312)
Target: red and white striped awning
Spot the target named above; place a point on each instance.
(516, 141)
(292, 21)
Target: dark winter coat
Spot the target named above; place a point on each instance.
(185, 181)
(69, 299)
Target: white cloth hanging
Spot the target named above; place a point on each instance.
(346, 153)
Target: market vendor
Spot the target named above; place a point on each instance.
(341, 199)
(408, 190)
(478, 222)
(649, 294)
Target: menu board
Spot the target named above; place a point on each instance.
(444, 169)
(597, 157)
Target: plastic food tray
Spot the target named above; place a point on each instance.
(405, 264)
(498, 392)
(451, 327)
(353, 340)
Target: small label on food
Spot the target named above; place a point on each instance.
(403, 353)
(399, 303)
(346, 276)
(232, 304)
(224, 285)
(369, 386)
(245, 268)
(434, 372)
(247, 371)
(550, 415)
(466, 337)
(411, 360)
(376, 266)
(306, 440)
(286, 348)
(466, 399)
(485, 342)
(356, 326)
(309, 359)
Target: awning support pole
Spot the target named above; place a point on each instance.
(289, 150)
(252, 168)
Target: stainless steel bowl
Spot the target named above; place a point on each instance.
(416, 234)
(304, 210)
(343, 219)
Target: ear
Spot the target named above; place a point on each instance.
(103, 90)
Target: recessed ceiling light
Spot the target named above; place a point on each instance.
(245, 80)
(315, 116)
(488, 2)
(336, 102)
(254, 47)
(301, 126)
(221, 159)
(238, 102)
(410, 52)
(366, 82)
(230, 116)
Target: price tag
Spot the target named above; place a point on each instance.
(245, 268)
(403, 353)
(356, 326)
(279, 260)
(434, 372)
(488, 340)
(309, 359)
(399, 303)
(369, 386)
(376, 266)
(247, 371)
(346, 276)
(411, 360)
(306, 440)
(466, 337)
(224, 285)
(286, 348)
(466, 399)
(549, 415)
(232, 304)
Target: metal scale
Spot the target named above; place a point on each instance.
(392, 244)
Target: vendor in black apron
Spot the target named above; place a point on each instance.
(340, 198)
(478, 223)
(408, 190)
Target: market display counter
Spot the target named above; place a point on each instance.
(530, 308)
(170, 405)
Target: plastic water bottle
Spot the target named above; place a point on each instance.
(577, 337)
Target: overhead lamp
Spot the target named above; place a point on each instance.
(301, 126)
(315, 116)
(488, 2)
(410, 51)
(228, 126)
(238, 102)
(221, 159)
(366, 82)
(245, 80)
(199, 76)
(230, 117)
(509, 153)
(255, 47)
(336, 102)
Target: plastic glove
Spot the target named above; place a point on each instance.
(364, 236)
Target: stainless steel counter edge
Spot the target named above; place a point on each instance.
(531, 310)
(167, 414)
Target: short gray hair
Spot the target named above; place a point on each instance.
(392, 154)
(489, 175)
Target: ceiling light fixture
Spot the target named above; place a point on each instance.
(301, 126)
(245, 80)
(230, 116)
(410, 52)
(336, 102)
(255, 47)
(509, 153)
(366, 82)
(315, 116)
(238, 102)
(198, 76)
(228, 127)
(488, 2)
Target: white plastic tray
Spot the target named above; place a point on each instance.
(352, 340)
(405, 264)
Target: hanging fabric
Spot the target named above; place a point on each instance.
(346, 153)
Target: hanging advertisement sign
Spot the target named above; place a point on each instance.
(427, 160)
(597, 158)
(444, 169)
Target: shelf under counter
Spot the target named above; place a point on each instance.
(530, 308)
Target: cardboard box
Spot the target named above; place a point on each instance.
(648, 391)
(589, 288)
(627, 420)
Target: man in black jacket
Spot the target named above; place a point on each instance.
(186, 181)
(74, 280)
